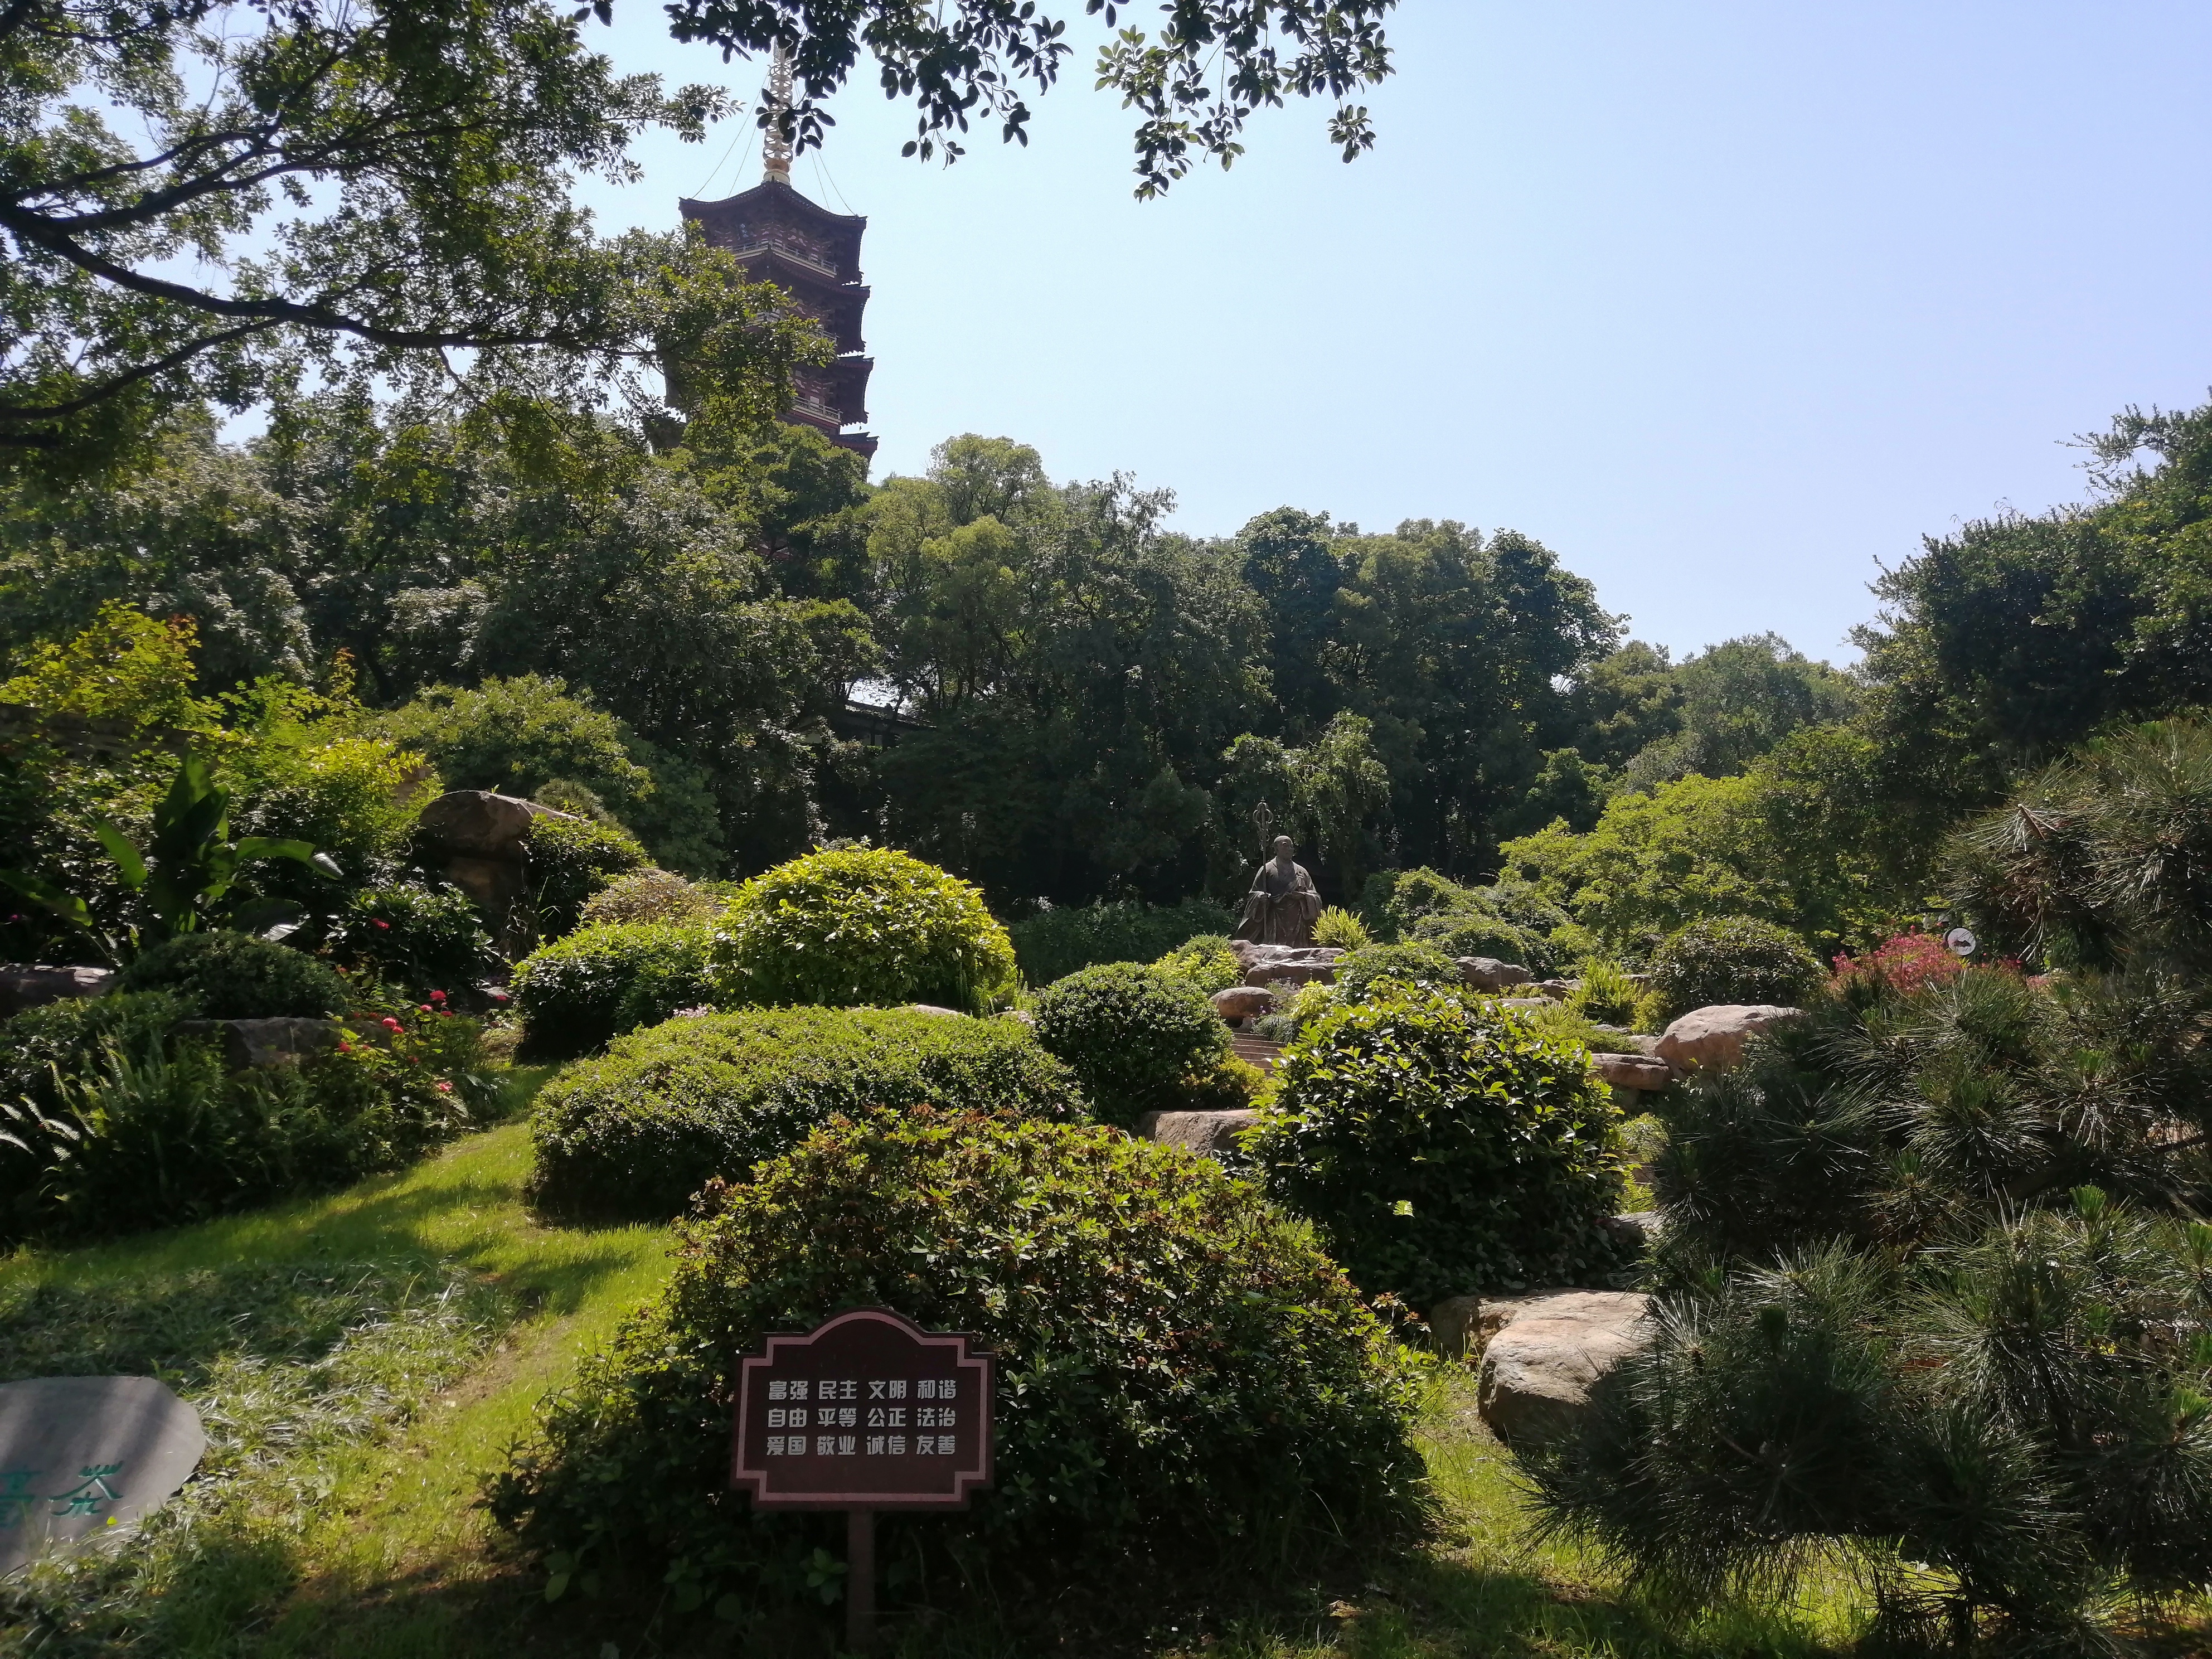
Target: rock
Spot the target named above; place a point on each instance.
(1489, 974)
(1210, 1132)
(1557, 989)
(1645, 1045)
(88, 1457)
(1454, 1323)
(1636, 1230)
(1633, 1071)
(1256, 1051)
(32, 985)
(932, 1008)
(480, 840)
(1524, 1002)
(250, 1042)
(1243, 1002)
(1544, 1352)
(1289, 964)
(1711, 1039)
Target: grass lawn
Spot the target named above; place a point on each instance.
(362, 1359)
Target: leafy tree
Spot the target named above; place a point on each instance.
(1291, 561)
(2002, 645)
(1623, 702)
(384, 184)
(1737, 701)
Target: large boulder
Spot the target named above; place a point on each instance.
(250, 1042)
(1633, 1071)
(1210, 1132)
(480, 840)
(1242, 1002)
(32, 985)
(1291, 964)
(1712, 1039)
(1489, 974)
(1543, 1352)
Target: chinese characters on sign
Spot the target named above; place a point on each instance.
(85, 1456)
(867, 1412)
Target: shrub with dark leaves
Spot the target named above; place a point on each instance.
(1137, 1038)
(226, 975)
(1732, 959)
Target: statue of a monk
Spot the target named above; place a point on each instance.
(1282, 907)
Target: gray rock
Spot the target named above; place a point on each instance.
(480, 840)
(1635, 1231)
(250, 1042)
(1633, 1071)
(932, 1008)
(1241, 1002)
(1712, 1039)
(32, 985)
(83, 1456)
(1210, 1132)
(1489, 974)
(1544, 1352)
(1524, 1002)
(1289, 964)
(1557, 989)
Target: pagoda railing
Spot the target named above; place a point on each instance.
(789, 251)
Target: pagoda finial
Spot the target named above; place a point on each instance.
(775, 143)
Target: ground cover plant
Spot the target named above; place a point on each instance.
(1184, 1376)
(861, 925)
(1138, 1039)
(635, 1133)
(115, 1120)
(578, 994)
(1444, 1147)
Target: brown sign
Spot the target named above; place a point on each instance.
(865, 1413)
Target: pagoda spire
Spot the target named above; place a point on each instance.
(775, 143)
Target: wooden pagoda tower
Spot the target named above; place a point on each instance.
(813, 255)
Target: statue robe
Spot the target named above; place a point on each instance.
(1282, 907)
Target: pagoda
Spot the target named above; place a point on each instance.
(814, 256)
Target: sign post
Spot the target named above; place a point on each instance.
(867, 1412)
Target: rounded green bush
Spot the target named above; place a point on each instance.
(862, 925)
(1444, 1148)
(1207, 962)
(1359, 972)
(579, 993)
(227, 975)
(635, 1133)
(650, 896)
(1478, 933)
(422, 938)
(1732, 959)
(1135, 1036)
(570, 860)
(1186, 1383)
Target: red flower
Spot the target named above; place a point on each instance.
(389, 1024)
(437, 996)
(345, 1047)
(374, 922)
(444, 1087)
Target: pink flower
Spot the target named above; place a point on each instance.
(374, 922)
(444, 1087)
(389, 1024)
(345, 1047)
(437, 996)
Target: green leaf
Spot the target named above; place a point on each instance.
(128, 863)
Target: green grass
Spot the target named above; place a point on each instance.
(364, 1359)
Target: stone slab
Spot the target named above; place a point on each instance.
(1545, 1351)
(83, 1456)
(1639, 1071)
(1711, 1039)
(1257, 1051)
(1210, 1132)
(32, 985)
(1489, 974)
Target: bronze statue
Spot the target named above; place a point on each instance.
(1282, 907)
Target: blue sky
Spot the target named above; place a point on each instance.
(1723, 302)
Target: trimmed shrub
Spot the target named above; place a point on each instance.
(1207, 962)
(226, 975)
(1187, 1385)
(1473, 933)
(862, 925)
(1445, 1147)
(1359, 972)
(581, 992)
(1056, 941)
(1732, 959)
(650, 895)
(571, 859)
(1135, 1036)
(422, 939)
(635, 1134)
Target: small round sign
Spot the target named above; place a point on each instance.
(1960, 941)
